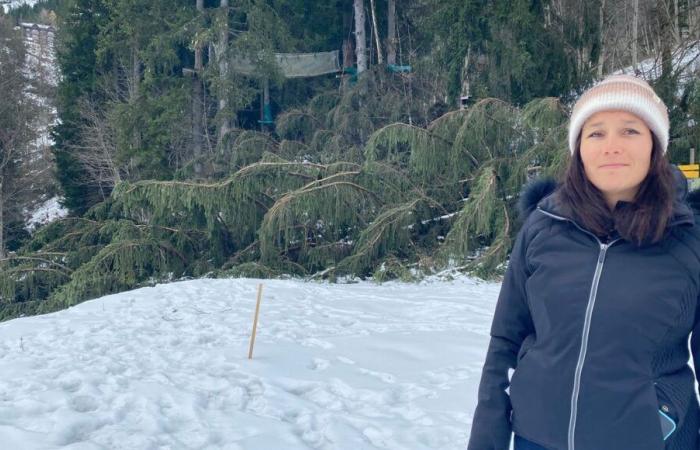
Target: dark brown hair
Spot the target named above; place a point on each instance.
(642, 221)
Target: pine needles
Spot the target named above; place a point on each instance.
(337, 192)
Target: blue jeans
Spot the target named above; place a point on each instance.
(524, 444)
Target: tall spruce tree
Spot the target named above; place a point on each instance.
(502, 48)
(144, 44)
(77, 42)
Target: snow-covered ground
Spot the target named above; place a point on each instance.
(335, 366)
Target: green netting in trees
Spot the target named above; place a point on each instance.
(293, 65)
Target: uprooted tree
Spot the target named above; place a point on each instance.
(316, 200)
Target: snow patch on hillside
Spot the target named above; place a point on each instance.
(11, 4)
(45, 213)
(685, 59)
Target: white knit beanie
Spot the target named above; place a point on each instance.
(621, 92)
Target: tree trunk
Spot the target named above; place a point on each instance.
(198, 53)
(348, 54)
(2, 221)
(224, 124)
(197, 128)
(665, 86)
(197, 101)
(676, 24)
(265, 113)
(560, 13)
(581, 49)
(601, 24)
(465, 92)
(635, 35)
(360, 38)
(348, 62)
(134, 94)
(380, 57)
(135, 75)
(391, 42)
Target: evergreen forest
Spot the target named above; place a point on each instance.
(323, 139)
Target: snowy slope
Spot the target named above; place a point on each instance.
(11, 4)
(46, 212)
(344, 366)
(7, 5)
(687, 58)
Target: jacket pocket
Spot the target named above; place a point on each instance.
(668, 412)
(528, 342)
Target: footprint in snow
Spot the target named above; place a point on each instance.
(313, 342)
(377, 438)
(385, 377)
(347, 322)
(311, 427)
(70, 383)
(345, 360)
(205, 339)
(84, 403)
(319, 364)
(250, 396)
(78, 431)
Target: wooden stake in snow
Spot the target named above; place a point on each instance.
(255, 321)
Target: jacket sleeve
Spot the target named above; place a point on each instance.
(695, 350)
(491, 428)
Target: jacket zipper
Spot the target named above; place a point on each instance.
(586, 324)
(667, 405)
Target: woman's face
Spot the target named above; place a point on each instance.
(616, 154)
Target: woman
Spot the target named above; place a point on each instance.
(600, 295)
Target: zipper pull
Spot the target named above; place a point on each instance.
(601, 255)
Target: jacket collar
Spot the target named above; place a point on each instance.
(682, 214)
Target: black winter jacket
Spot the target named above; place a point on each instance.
(597, 332)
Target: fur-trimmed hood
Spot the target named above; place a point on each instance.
(533, 192)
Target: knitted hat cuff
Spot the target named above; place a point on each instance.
(624, 93)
